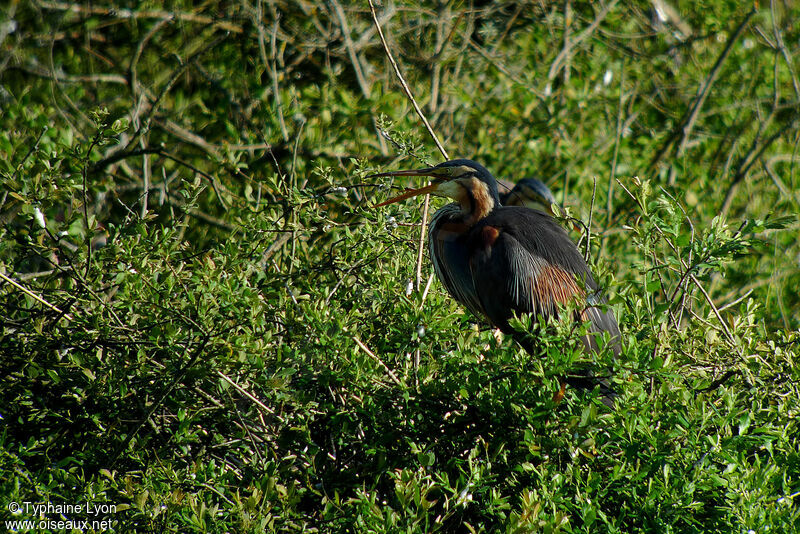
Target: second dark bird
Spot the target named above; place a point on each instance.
(499, 260)
(528, 192)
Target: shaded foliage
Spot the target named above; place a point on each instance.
(205, 324)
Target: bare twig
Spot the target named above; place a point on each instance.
(246, 393)
(55, 85)
(190, 137)
(421, 244)
(380, 362)
(610, 198)
(427, 126)
(438, 51)
(176, 201)
(569, 44)
(274, 73)
(738, 300)
(356, 61)
(568, 58)
(427, 288)
(31, 150)
(714, 309)
(34, 296)
(59, 76)
(145, 179)
(132, 74)
(687, 123)
(404, 84)
(348, 44)
(495, 62)
(749, 159)
(589, 224)
(140, 97)
(274, 246)
(118, 13)
(782, 47)
(253, 444)
(84, 172)
(38, 274)
(157, 404)
(703, 90)
(293, 182)
(177, 73)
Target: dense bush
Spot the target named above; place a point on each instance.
(206, 324)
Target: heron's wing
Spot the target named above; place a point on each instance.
(521, 260)
(509, 278)
(450, 257)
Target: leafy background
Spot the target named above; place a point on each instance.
(205, 323)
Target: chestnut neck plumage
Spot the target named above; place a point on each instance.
(477, 201)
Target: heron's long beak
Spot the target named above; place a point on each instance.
(436, 172)
(410, 193)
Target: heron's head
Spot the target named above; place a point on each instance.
(463, 180)
(531, 193)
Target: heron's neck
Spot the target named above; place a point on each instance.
(477, 201)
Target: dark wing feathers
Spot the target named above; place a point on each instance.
(515, 259)
(539, 234)
(450, 258)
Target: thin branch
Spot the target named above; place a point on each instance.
(737, 301)
(132, 74)
(122, 14)
(31, 150)
(715, 310)
(274, 75)
(568, 57)
(177, 73)
(176, 201)
(410, 96)
(380, 362)
(610, 198)
(745, 163)
(84, 172)
(687, 122)
(255, 447)
(61, 77)
(589, 224)
(118, 156)
(274, 246)
(427, 288)
(569, 44)
(495, 62)
(404, 84)
(688, 125)
(348, 44)
(782, 47)
(421, 243)
(34, 296)
(157, 404)
(246, 393)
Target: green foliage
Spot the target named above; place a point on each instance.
(206, 324)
